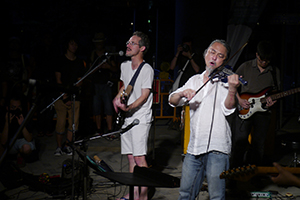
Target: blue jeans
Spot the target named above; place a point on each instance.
(194, 170)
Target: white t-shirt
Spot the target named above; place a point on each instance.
(209, 129)
(144, 80)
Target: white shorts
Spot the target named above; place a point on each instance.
(134, 141)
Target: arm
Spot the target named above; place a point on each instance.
(4, 134)
(140, 101)
(26, 134)
(176, 98)
(117, 100)
(285, 177)
(192, 61)
(194, 65)
(233, 82)
(174, 61)
(58, 77)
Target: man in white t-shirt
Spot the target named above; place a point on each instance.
(138, 106)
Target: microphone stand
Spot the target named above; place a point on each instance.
(73, 125)
(87, 74)
(84, 156)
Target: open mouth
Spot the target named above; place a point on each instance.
(212, 63)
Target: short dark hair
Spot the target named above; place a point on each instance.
(67, 39)
(265, 50)
(145, 41)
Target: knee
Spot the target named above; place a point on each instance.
(26, 149)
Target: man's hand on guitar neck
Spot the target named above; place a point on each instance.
(285, 177)
(118, 104)
(270, 102)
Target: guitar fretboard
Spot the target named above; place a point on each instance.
(281, 94)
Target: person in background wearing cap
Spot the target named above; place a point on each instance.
(102, 83)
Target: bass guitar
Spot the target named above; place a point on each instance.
(121, 114)
(258, 101)
(247, 172)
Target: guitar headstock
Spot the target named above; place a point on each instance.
(244, 173)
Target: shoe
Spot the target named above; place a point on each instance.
(67, 150)
(98, 132)
(58, 152)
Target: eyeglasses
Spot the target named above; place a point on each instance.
(213, 52)
(131, 43)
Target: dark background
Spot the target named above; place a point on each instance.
(166, 22)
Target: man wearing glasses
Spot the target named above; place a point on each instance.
(210, 134)
(260, 75)
(138, 106)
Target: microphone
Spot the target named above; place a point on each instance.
(36, 82)
(120, 53)
(135, 122)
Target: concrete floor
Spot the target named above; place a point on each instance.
(165, 155)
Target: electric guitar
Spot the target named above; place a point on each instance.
(121, 114)
(247, 172)
(258, 101)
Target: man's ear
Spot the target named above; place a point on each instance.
(143, 48)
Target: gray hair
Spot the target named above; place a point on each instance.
(224, 43)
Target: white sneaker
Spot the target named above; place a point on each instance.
(58, 152)
(67, 150)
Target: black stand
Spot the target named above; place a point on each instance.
(73, 124)
(142, 176)
(85, 157)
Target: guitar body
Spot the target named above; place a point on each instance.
(119, 120)
(258, 101)
(257, 105)
(121, 114)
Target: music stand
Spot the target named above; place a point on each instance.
(141, 176)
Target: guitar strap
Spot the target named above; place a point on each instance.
(133, 79)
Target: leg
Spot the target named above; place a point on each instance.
(97, 106)
(98, 119)
(70, 121)
(217, 162)
(193, 171)
(61, 112)
(108, 106)
(260, 128)
(132, 164)
(109, 121)
(240, 141)
(141, 162)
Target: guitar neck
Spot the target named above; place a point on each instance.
(273, 170)
(281, 94)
